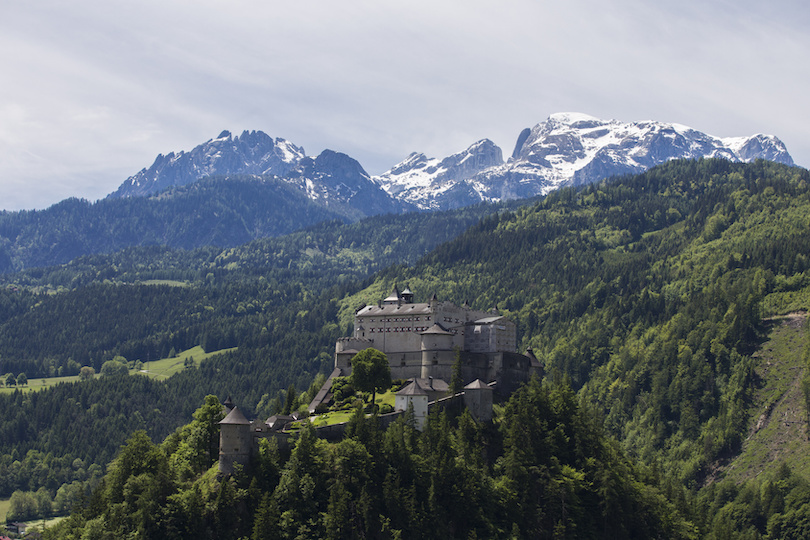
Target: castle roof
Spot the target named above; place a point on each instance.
(412, 389)
(228, 404)
(488, 320)
(477, 384)
(394, 296)
(278, 421)
(395, 309)
(432, 384)
(436, 329)
(235, 417)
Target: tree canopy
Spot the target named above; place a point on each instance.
(370, 372)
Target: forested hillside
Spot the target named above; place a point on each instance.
(545, 470)
(274, 299)
(647, 293)
(219, 211)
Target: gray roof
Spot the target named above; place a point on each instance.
(489, 320)
(437, 329)
(394, 309)
(235, 417)
(433, 384)
(477, 384)
(412, 389)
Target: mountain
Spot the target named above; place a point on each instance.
(217, 211)
(436, 183)
(254, 152)
(331, 179)
(565, 149)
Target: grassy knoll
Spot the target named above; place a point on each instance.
(778, 429)
(166, 367)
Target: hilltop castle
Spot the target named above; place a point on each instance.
(422, 342)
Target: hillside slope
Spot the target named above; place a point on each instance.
(778, 430)
(647, 292)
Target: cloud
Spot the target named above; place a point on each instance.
(98, 89)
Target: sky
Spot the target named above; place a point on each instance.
(92, 91)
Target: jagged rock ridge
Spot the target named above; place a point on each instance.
(331, 179)
(254, 152)
(565, 149)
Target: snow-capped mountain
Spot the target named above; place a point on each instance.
(431, 183)
(335, 178)
(565, 149)
(253, 152)
(331, 179)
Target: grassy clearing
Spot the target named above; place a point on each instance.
(778, 429)
(166, 367)
(43, 524)
(159, 369)
(5, 505)
(34, 385)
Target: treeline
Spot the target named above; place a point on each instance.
(543, 469)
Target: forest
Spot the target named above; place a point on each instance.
(217, 211)
(644, 296)
(274, 299)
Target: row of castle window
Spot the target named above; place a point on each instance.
(401, 319)
(450, 319)
(406, 329)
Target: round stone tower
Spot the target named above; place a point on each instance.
(235, 441)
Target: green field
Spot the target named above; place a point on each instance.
(5, 504)
(39, 384)
(159, 369)
(166, 367)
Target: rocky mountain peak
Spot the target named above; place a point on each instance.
(253, 152)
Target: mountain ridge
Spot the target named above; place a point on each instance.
(574, 149)
(567, 148)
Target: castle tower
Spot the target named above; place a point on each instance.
(415, 395)
(235, 441)
(437, 352)
(478, 400)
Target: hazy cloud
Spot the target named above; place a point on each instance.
(93, 91)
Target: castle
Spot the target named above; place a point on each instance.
(422, 342)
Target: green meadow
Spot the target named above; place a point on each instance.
(159, 369)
